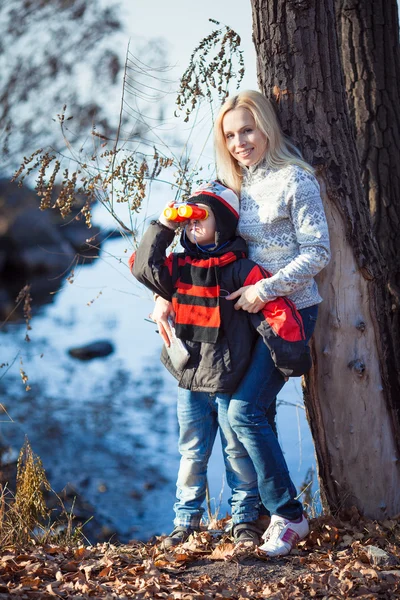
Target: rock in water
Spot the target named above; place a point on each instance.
(93, 350)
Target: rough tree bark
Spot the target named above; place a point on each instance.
(348, 399)
(369, 44)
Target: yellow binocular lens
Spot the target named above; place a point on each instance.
(192, 211)
(171, 213)
(185, 212)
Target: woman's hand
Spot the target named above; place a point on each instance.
(248, 299)
(161, 311)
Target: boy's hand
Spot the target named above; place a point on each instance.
(248, 299)
(162, 310)
(166, 222)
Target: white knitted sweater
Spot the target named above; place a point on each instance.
(283, 221)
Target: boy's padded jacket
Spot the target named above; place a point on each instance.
(220, 366)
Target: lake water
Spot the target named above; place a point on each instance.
(108, 426)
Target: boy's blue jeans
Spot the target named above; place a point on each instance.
(247, 414)
(199, 414)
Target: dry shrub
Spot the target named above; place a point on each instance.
(24, 516)
(21, 513)
(29, 503)
(121, 170)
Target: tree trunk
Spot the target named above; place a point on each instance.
(369, 44)
(348, 400)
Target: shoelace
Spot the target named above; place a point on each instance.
(280, 525)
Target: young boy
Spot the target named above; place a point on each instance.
(219, 340)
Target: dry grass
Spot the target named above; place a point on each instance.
(24, 516)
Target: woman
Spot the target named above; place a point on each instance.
(282, 219)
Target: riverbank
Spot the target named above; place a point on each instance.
(347, 557)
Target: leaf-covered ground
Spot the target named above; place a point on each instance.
(348, 557)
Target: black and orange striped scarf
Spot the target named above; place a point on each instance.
(197, 292)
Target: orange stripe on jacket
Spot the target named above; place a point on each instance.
(203, 316)
(197, 290)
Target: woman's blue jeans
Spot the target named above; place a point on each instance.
(199, 415)
(247, 414)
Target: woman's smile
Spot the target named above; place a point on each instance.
(245, 153)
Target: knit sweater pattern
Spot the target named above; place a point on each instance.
(283, 222)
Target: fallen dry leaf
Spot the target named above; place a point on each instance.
(332, 563)
(32, 582)
(180, 557)
(50, 590)
(69, 566)
(222, 552)
(81, 552)
(106, 571)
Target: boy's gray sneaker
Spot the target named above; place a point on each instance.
(246, 532)
(179, 535)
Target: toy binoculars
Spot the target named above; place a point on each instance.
(183, 212)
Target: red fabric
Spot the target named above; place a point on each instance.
(192, 314)
(199, 320)
(213, 261)
(255, 275)
(281, 313)
(198, 290)
(282, 320)
(168, 263)
(131, 261)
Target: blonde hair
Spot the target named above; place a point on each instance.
(280, 152)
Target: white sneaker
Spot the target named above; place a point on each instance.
(283, 535)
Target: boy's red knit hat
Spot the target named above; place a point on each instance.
(225, 205)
